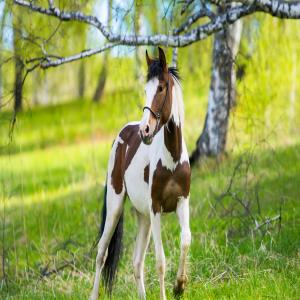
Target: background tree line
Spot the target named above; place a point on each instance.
(29, 39)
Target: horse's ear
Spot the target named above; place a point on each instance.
(162, 59)
(148, 59)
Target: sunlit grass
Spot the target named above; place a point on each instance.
(52, 180)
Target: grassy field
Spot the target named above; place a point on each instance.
(51, 188)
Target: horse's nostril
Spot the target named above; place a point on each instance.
(147, 129)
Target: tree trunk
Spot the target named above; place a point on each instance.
(103, 73)
(137, 30)
(19, 66)
(212, 140)
(1, 88)
(101, 82)
(18, 86)
(4, 12)
(81, 79)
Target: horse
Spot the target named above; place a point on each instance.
(149, 163)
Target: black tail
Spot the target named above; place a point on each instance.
(110, 267)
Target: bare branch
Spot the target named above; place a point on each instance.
(186, 6)
(199, 33)
(51, 4)
(204, 12)
(277, 8)
(47, 62)
(267, 222)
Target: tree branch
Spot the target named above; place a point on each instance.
(47, 62)
(277, 8)
(203, 12)
(186, 6)
(199, 33)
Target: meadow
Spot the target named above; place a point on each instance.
(244, 208)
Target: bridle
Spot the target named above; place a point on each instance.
(157, 115)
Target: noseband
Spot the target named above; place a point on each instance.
(157, 115)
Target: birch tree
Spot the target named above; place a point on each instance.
(2, 23)
(103, 72)
(137, 29)
(222, 93)
(188, 34)
(219, 17)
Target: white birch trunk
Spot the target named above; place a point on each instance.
(212, 140)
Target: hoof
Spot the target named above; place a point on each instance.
(179, 286)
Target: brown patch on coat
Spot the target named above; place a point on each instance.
(124, 154)
(146, 174)
(173, 139)
(116, 174)
(169, 185)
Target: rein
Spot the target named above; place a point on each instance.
(157, 115)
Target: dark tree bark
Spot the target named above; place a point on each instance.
(212, 140)
(101, 82)
(19, 66)
(81, 79)
(18, 86)
(103, 73)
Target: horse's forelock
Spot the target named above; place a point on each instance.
(156, 70)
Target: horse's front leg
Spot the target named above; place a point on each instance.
(159, 251)
(183, 216)
(142, 242)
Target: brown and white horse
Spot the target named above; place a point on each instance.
(148, 162)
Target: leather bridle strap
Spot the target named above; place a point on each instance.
(157, 115)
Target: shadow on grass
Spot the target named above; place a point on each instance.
(34, 234)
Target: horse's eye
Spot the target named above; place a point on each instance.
(160, 88)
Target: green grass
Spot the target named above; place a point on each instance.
(52, 178)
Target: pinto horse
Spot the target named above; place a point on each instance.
(149, 162)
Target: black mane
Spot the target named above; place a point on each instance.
(156, 70)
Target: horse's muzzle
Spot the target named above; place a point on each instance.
(147, 140)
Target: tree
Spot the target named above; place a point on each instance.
(19, 65)
(137, 30)
(103, 72)
(81, 80)
(187, 36)
(222, 93)
(220, 15)
(2, 24)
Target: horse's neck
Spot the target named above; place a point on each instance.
(173, 139)
(173, 129)
(171, 134)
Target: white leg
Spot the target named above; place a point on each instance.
(141, 246)
(114, 206)
(159, 252)
(183, 216)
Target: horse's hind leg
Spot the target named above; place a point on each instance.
(183, 216)
(141, 246)
(114, 208)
